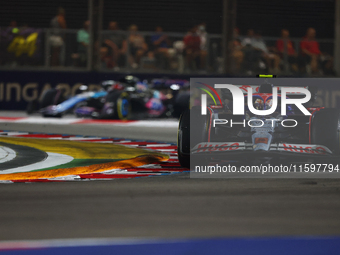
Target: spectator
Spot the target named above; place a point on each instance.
(137, 46)
(58, 23)
(257, 51)
(116, 44)
(310, 50)
(160, 40)
(160, 43)
(251, 56)
(272, 60)
(236, 51)
(83, 39)
(286, 50)
(106, 58)
(192, 48)
(249, 38)
(202, 33)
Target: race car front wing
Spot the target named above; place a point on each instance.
(213, 148)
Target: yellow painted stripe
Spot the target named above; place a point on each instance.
(129, 163)
(80, 150)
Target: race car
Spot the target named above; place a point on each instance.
(52, 96)
(221, 136)
(127, 98)
(83, 97)
(177, 91)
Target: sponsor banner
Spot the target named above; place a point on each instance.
(17, 88)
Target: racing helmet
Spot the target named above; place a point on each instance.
(129, 80)
(259, 104)
(266, 88)
(106, 85)
(81, 89)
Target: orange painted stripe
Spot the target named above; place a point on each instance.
(123, 164)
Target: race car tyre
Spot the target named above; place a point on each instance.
(183, 139)
(325, 129)
(186, 136)
(120, 106)
(59, 115)
(32, 106)
(181, 103)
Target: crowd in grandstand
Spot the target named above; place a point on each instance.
(119, 49)
(253, 54)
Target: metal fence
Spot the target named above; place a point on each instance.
(120, 51)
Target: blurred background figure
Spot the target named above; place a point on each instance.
(58, 23)
(160, 45)
(83, 39)
(267, 54)
(258, 57)
(310, 52)
(116, 45)
(251, 56)
(236, 51)
(286, 51)
(202, 33)
(106, 58)
(192, 50)
(137, 46)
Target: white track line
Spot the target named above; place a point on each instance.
(53, 159)
(63, 121)
(36, 120)
(6, 154)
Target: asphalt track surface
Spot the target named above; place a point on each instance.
(175, 206)
(156, 132)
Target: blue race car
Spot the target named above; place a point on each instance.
(128, 98)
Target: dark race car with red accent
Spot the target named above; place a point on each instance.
(222, 136)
